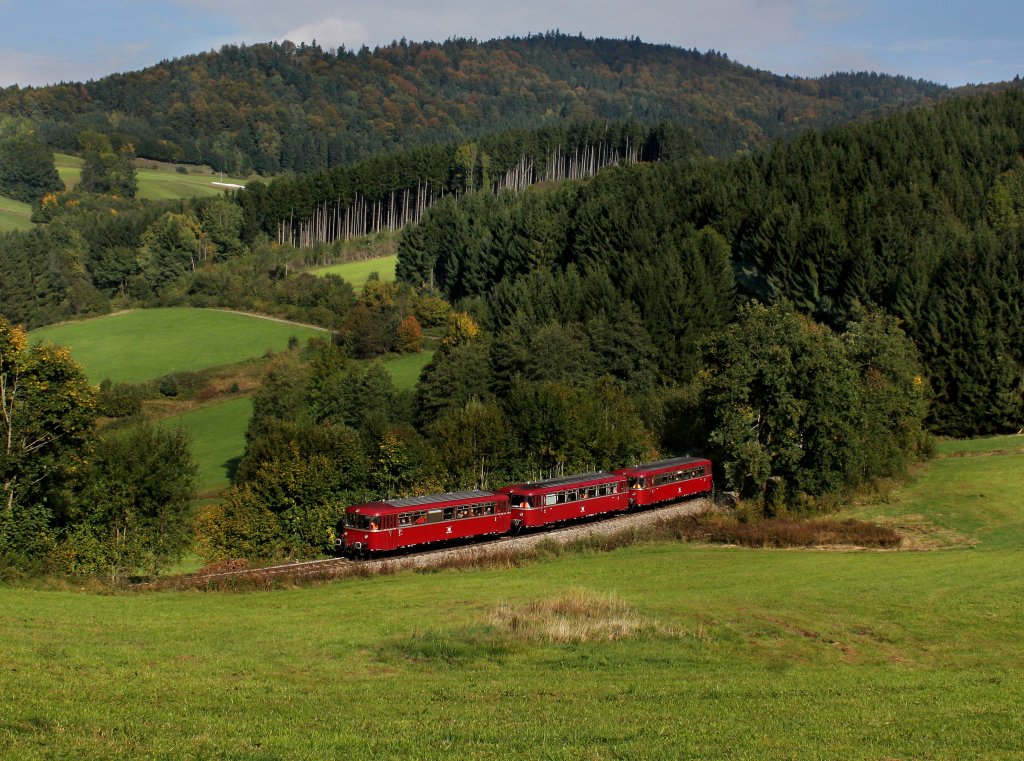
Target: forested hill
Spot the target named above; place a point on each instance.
(275, 107)
(920, 215)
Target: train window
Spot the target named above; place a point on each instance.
(434, 516)
(612, 488)
(592, 492)
(489, 508)
(550, 499)
(476, 510)
(404, 519)
(462, 512)
(449, 513)
(700, 471)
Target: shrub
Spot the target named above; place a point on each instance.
(119, 399)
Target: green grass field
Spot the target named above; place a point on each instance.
(14, 215)
(357, 272)
(148, 343)
(732, 654)
(218, 439)
(153, 184)
(405, 369)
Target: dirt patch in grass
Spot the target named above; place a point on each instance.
(918, 533)
(576, 616)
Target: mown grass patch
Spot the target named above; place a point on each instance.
(148, 343)
(156, 182)
(218, 439)
(405, 369)
(358, 272)
(14, 215)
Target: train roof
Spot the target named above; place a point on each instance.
(429, 499)
(671, 463)
(554, 483)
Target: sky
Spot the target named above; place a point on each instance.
(954, 42)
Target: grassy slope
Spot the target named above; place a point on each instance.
(14, 215)
(148, 343)
(405, 369)
(218, 430)
(218, 439)
(153, 184)
(357, 272)
(777, 654)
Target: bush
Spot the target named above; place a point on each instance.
(119, 399)
(186, 384)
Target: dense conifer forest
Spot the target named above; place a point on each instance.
(276, 107)
(919, 214)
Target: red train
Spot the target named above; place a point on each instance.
(412, 521)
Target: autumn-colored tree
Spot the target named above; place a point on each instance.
(409, 336)
(47, 413)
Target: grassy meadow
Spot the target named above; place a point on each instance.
(14, 215)
(148, 343)
(218, 439)
(156, 182)
(652, 651)
(405, 368)
(358, 272)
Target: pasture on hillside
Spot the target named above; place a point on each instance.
(218, 429)
(148, 343)
(405, 369)
(155, 182)
(218, 439)
(14, 215)
(358, 272)
(658, 650)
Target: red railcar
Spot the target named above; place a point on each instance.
(393, 524)
(667, 480)
(539, 503)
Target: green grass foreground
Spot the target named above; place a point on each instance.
(358, 272)
(652, 651)
(148, 343)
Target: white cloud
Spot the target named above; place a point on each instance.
(329, 33)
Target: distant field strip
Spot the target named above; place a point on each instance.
(148, 343)
(357, 273)
(153, 184)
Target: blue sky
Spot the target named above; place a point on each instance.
(45, 41)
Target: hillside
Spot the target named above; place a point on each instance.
(276, 107)
(148, 343)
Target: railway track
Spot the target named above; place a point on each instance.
(427, 558)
